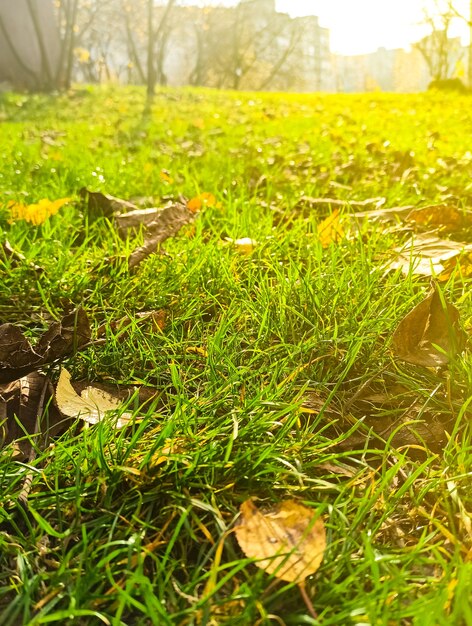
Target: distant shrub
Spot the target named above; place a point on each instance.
(448, 84)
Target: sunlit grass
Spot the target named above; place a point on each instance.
(127, 525)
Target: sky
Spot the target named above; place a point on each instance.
(362, 26)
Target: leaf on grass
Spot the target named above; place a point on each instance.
(289, 540)
(204, 199)
(18, 357)
(90, 406)
(441, 216)
(430, 335)
(156, 319)
(461, 264)
(307, 201)
(167, 224)
(133, 220)
(16, 258)
(425, 255)
(330, 230)
(26, 409)
(104, 204)
(35, 213)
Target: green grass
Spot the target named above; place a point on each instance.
(109, 536)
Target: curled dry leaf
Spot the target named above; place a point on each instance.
(16, 258)
(90, 406)
(430, 335)
(426, 255)
(133, 220)
(439, 216)
(167, 224)
(288, 540)
(155, 319)
(21, 411)
(104, 204)
(307, 201)
(18, 357)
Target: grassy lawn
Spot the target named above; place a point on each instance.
(259, 368)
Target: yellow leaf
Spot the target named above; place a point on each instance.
(35, 213)
(289, 540)
(330, 230)
(82, 55)
(202, 200)
(197, 350)
(166, 177)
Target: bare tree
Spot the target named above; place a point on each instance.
(467, 18)
(439, 51)
(250, 46)
(30, 46)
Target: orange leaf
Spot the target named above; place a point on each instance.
(289, 540)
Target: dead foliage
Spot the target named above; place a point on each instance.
(18, 357)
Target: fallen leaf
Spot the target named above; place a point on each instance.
(330, 230)
(18, 357)
(105, 204)
(90, 406)
(35, 213)
(167, 224)
(430, 334)
(391, 214)
(197, 350)
(442, 217)
(307, 201)
(288, 540)
(461, 264)
(133, 220)
(425, 255)
(166, 177)
(16, 258)
(19, 404)
(157, 319)
(202, 200)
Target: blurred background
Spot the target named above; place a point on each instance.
(270, 45)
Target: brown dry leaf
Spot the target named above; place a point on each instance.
(391, 214)
(133, 220)
(430, 335)
(18, 357)
(90, 406)
(104, 204)
(288, 540)
(167, 224)
(440, 216)
(156, 319)
(19, 404)
(16, 258)
(330, 230)
(426, 255)
(462, 264)
(307, 201)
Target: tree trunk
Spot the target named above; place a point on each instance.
(469, 67)
(29, 44)
(151, 74)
